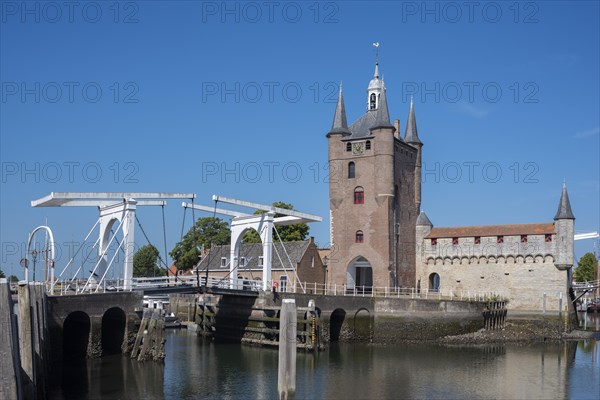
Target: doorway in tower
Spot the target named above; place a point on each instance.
(434, 282)
(359, 276)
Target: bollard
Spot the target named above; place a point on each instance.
(286, 378)
(560, 303)
(544, 307)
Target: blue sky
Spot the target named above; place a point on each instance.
(236, 98)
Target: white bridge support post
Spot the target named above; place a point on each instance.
(124, 214)
(263, 224)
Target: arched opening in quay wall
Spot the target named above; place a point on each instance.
(76, 333)
(113, 331)
(336, 320)
(363, 324)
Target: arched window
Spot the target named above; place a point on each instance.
(360, 237)
(368, 145)
(434, 282)
(348, 146)
(372, 101)
(351, 170)
(359, 195)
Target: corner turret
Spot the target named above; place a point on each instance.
(340, 123)
(564, 225)
(411, 137)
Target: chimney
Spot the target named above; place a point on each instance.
(397, 126)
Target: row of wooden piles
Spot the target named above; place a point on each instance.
(150, 342)
(494, 315)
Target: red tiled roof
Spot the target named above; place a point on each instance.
(172, 271)
(492, 230)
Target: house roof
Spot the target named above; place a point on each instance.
(324, 253)
(492, 230)
(251, 252)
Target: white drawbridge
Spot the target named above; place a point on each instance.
(114, 208)
(262, 223)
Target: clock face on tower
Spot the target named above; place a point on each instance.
(358, 148)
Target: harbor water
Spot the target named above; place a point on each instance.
(196, 368)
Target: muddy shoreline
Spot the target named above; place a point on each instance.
(519, 333)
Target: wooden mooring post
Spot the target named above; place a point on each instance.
(286, 378)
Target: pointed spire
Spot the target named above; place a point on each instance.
(423, 220)
(564, 206)
(382, 115)
(340, 123)
(410, 134)
(376, 74)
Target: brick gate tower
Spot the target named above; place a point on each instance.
(375, 195)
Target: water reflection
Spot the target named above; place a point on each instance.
(589, 321)
(110, 377)
(197, 369)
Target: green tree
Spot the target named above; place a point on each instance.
(13, 278)
(145, 262)
(2, 274)
(288, 233)
(585, 268)
(207, 231)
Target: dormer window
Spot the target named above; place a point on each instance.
(372, 101)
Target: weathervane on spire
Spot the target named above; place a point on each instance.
(376, 44)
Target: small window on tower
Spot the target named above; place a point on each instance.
(434, 242)
(523, 238)
(500, 239)
(359, 195)
(368, 145)
(454, 241)
(548, 238)
(348, 146)
(351, 170)
(477, 239)
(360, 237)
(372, 101)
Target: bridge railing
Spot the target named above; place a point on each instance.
(586, 285)
(77, 286)
(375, 291)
